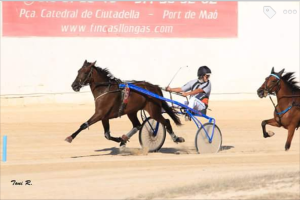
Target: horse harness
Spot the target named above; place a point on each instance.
(125, 93)
(280, 114)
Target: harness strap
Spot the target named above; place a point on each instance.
(275, 76)
(282, 112)
(288, 96)
(125, 96)
(272, 102)
(106, 84)
(106, 93)
(276, 111)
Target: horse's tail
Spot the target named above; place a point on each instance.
(169, 109)
(171, 113)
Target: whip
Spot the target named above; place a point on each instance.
(175, 75)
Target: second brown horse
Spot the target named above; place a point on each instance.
(287, 112)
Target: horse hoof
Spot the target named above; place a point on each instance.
(287, 147)
(69, 139)
(122, 144)
(125, 138)
(179, 140)
(270, 133)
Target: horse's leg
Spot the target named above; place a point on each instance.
(291, 131)
(170, 131)
(95, 118)
(156, 114)
(271, 122)
(136, 127)
(105, 123)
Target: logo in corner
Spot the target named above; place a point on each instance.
(28, 3)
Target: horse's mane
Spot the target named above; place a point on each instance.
(107, 73)
(289, 79)
(112, 77)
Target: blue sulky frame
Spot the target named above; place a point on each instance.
(191, 112)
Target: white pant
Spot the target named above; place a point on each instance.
(195, 104)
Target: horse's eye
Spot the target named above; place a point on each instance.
(274, 81)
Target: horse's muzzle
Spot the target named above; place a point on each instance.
(76, 87)
(261, 93)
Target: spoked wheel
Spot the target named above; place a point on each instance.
(152, 135)
(202, 141)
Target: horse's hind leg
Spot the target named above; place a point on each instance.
(271, 122)
(158, 117)
(170, 130)
(136, 127)
(105, 123)
(291, 131)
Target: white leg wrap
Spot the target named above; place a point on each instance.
(132, 132)
(173, 136)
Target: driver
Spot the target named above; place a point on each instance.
(198, 89)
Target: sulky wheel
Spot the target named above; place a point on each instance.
(152, 135)
(202, 143)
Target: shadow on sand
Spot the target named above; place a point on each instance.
(225, 148)
(139, 151)
(186, 150)
(110, 151)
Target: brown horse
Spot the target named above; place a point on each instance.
(112, 102)
(287, 111)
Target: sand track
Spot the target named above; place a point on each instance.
(248, 167)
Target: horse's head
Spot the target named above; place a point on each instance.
(84, 76)
(271, 84)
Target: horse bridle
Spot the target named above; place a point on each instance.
(86, 82)
(108, 84)
(269, 90)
